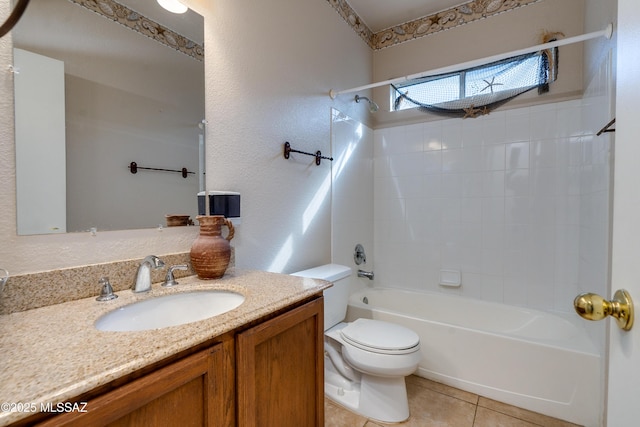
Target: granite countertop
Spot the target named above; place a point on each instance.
(53, 354)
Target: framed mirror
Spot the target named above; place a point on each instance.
(100, 86)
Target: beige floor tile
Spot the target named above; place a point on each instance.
(523, 414)
(444, 389)
(488, 418)
(436, 405)
(337, 416)
(429, 408)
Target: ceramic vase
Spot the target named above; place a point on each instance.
(210, 252)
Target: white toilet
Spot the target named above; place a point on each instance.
(367, 360)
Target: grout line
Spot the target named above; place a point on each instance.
(475, 415)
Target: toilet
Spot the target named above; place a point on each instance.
(366, 361)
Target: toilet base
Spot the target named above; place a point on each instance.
(379, 398)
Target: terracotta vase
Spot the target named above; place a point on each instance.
(210, 252)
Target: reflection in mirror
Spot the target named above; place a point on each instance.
(101, 84)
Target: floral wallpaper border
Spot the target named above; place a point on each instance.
(454, 17)
(131, 19)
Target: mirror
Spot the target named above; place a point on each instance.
(99, 85)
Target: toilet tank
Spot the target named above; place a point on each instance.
(336, 297)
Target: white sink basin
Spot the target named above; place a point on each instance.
(169, 310)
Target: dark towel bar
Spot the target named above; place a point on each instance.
(133, 166)
(318, 155)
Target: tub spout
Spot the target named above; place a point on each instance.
(367, 274)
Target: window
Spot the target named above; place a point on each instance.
(486, 86)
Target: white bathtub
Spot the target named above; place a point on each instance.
(527, 358)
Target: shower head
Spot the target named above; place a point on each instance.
(373, 107)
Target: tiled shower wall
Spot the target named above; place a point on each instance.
(516, 201)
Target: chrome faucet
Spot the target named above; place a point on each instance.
(143, 278)
(367, 274)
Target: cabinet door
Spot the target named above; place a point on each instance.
(185, 393)
(280, 370)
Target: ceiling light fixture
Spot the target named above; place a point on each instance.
(173, 6)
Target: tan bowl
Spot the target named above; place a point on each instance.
(177, 220)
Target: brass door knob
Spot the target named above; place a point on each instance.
(594, 307)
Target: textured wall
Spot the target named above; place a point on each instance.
(269, 68)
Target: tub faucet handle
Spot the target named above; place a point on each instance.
(359, 256)
(169, 280)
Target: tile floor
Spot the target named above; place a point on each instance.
(434, 404)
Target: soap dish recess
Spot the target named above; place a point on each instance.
(450, 278)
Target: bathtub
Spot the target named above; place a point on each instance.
(527, 358)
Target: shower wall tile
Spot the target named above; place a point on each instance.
(414, 137)
(451, 135)
(432, 133)
(471, 135)
(494, 129)
(432, 162)
(517, 155)
(543, 121)
(518, 201)
(517, 125)
(515, 290)
(542, 154)
(493, 158)
(516, 182)
(493, 183)
(492, 211)
(432, 184)
(570, 119)
(492, 287)
(407, 186)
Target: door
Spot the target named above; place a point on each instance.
(623, 397)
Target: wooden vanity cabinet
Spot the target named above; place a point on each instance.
(280, 370)
(185, 393)
(269, 374)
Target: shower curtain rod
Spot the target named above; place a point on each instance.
(607, 32)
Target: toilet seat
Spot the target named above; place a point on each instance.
(380, 337)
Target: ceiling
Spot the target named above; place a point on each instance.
(381, 14)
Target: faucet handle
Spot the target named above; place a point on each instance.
(106, 292)
(169, 280)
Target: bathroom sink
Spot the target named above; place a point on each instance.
(169, 310)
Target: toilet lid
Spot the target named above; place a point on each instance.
(380, 337)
